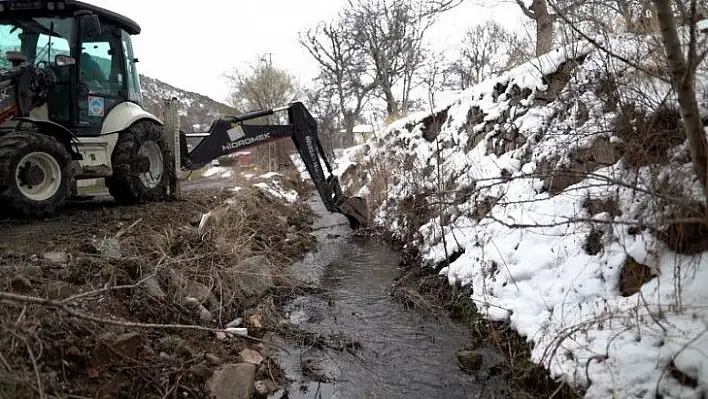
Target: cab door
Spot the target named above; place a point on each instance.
(101, 79)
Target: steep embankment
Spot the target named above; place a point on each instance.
(553, 191)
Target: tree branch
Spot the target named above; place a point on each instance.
(526, 10)
(63, 306)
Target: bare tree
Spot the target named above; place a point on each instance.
(539, 13)
(682, 69)
(321, 101)
(435, 74)
(264, 86)
(342, 67)
(392, 35)
(488, 49)
(599, 17)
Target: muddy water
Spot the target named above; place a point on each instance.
(389, 351)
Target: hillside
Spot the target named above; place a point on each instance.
(196, 109)
(562, 193)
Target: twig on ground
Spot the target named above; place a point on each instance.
(106, 289)
(22, 315)
(5, 363)
(61, 305)
(125, 230)
(40, 389)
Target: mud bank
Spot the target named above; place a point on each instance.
(154, 301)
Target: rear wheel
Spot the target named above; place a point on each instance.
(140, 173)
(35, 174)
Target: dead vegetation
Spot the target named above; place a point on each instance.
(128, 302)
(687, 234)
(633, 276)
(647, 137)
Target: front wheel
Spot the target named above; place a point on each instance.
(35, 174)
(141, 167)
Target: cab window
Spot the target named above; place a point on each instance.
(9, 41)
(100, 65)
(31, 36)
(101, 74)
(47, 49)
(132, 76)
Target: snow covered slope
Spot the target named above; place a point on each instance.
(551, 189)
(195, 108)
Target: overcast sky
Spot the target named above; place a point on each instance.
(190, 44)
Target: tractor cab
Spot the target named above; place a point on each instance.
(87, 52)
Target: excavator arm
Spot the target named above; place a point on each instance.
(229, 134)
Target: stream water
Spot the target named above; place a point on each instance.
(400, 353)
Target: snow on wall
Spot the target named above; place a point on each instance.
(523, 231)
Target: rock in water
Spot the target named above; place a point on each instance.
(233, 381)
(469, 359)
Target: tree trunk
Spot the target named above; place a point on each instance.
(349, 123)
(391, 105)
(544, 27)
(683, 80)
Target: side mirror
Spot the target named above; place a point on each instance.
(90, 25)
(64, 60)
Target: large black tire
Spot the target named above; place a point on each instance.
(126, 185)
(15, 199)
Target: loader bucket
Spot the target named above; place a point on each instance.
(356, 210)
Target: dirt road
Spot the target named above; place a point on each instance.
(99, 215)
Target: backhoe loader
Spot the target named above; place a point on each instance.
(71, 113)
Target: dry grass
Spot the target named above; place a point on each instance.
(47, 352)
(688, 233)
(648, 137)
(380, 179)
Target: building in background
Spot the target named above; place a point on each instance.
(361, 134)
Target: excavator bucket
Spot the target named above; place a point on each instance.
(356, 211)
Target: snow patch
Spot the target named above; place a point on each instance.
(275, 189)
(218, 171)
(269, 175)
